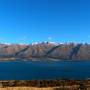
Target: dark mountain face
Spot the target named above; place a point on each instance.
(46, 50)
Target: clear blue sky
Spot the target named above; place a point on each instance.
(27, 21)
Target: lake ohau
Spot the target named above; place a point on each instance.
(34, 70)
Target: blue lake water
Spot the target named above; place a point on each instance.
(27, 70)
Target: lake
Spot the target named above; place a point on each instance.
(34, 70)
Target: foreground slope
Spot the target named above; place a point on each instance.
(45, 85)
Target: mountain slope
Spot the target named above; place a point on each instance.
(66, 51)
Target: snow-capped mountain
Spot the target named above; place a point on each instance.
(46, 50)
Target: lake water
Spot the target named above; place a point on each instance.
(25, 70)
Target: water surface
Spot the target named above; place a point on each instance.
(28, 70)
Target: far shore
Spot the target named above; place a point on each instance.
(36, 59)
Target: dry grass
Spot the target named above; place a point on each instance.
(36, 88)
(45, 85)
(25, 88)
(74, 87)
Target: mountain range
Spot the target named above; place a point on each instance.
(51, 50)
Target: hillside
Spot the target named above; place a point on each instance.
(66, 51)
(45, 85)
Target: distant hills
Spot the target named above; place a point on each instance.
(51, 50)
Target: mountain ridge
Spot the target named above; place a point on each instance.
(62, 51)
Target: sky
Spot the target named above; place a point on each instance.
(28, 21)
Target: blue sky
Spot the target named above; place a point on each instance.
(27, 21)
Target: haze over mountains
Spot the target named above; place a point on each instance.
(66, 51)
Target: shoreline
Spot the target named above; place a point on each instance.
(38, 59)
